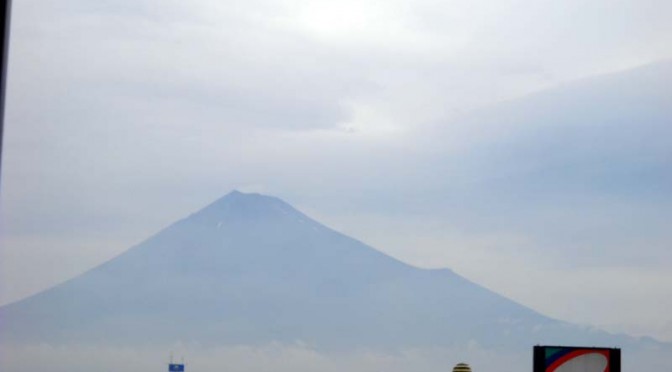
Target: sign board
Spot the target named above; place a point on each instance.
(576, 359)
(176, 368)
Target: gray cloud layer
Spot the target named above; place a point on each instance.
(395, 122)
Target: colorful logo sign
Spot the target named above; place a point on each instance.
(576, 359)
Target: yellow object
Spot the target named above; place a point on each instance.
(462, 367)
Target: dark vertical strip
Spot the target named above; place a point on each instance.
(538, 359)
(615, 360)
(5, 16)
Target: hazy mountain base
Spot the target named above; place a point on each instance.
(252, 270)
(278, 357)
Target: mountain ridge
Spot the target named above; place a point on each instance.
(251, 269)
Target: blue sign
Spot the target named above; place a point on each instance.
(176, 367)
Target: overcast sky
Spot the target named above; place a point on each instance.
(527, 145)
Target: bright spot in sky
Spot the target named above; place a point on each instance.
(358, 22)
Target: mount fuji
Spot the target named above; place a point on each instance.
(250, 269)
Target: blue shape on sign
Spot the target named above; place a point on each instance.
(176, 367)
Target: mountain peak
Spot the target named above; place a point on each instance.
(239, 194)
(241, 205)
(241, 198)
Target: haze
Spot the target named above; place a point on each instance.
(525, 145)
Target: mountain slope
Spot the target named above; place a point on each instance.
(250, 269)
